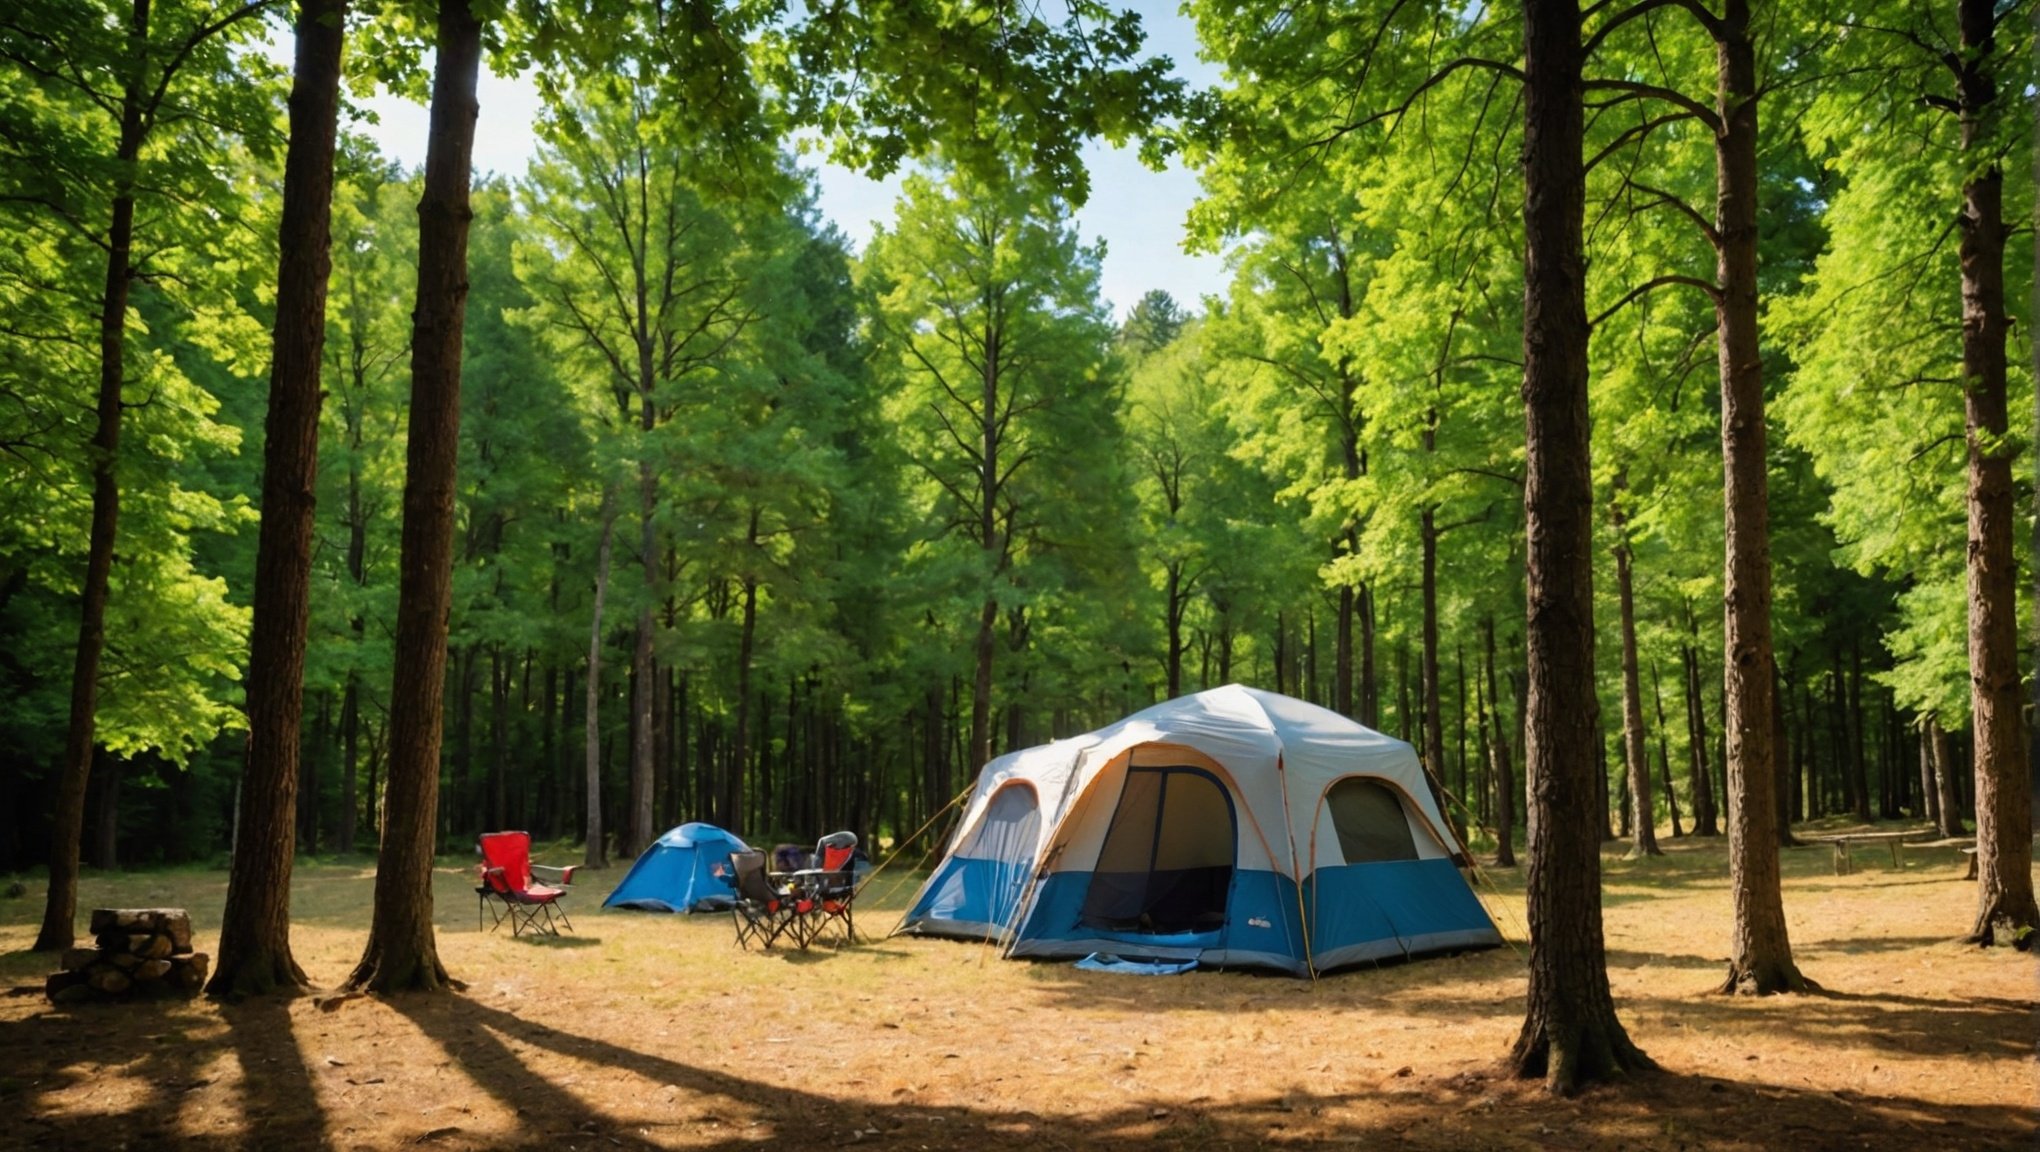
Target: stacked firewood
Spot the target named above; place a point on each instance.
(137, 952)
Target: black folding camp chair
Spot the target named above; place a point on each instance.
(832, 886)
(765, 911)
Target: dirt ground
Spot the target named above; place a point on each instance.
(656, 1031)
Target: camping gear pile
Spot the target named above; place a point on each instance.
(1233, 827)
(137, 952)
(801, 905)
(790, 895)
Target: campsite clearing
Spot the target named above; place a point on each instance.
(647, 1030)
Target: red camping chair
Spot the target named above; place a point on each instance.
(832, 884)
(765, 911)
(508, 890)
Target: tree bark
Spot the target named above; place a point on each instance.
(67, 819)
(595, 852)
(1930, 798)
(402, 952)
(1665, 751)
(1781, 745)
(1434, 719)
(106, 820)
(255, 955)
(2005, 911)
(1945, 769)
(1635, 750)
(638, 825)
(1570, 1035)
(1504, 773)
(1458, 816)
(1342, 652)
(741, 765)
(350, 751)
(1760, 952)
(1483, 771)
(1859, 770)
(2033, 544)
(1370, 683)
(499, 740)
(1177, 600)
(1698, 772)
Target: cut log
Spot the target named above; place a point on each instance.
(79, 959)
(74, 994)
(152, 971)
(111, 981)
(189, 970)
(155, 947)
(125, 961)
(172, 922)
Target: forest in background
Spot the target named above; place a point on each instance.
(789, 537)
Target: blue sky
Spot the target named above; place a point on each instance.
(1139, 214)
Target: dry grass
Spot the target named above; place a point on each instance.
(655, 1031)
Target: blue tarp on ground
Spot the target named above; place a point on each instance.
(1100, 962)
(681, 872)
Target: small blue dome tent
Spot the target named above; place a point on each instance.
(681, 872)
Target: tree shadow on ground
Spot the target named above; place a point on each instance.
(519, 1063)
(1810, 945)
(150, 1056)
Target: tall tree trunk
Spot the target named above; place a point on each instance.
(1945, 772)
(402, 952)
(307, 813)
(1482, 788)
(461, 812)
(67, 818)
(1342, 653)
(350, 750)
(499, 740)
(1664, 749)
(2033, 544)
(1781, 746)
(1930, 797)
(106, 820)
(1760, 952)
(637, 829)
(1310, 677)
(982, 651)
(595, 850)
(1859, 771)
(1176, 600)
(1403, 707)
(1570, 1035)
(1370, 682)
(733, 786)
(1458, 815)
(1698, 772)
(1504, 773)
(554, 797)
(2005, 910)
(1434, 720)
(357, 574)
(1635, 751)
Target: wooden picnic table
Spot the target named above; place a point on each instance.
(1842, 843)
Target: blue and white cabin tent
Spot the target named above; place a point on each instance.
(1234, 827)
(683, 871)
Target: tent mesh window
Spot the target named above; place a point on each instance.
(1167, 862)
(1370, 821)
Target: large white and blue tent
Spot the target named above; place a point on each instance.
(1234, 827)
(686, 870)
